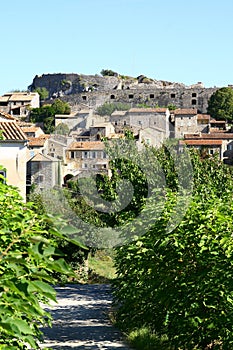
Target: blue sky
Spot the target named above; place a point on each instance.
(183, 41)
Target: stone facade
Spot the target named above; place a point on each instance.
(18, 104)
(94, 90)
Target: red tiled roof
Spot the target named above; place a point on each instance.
(87, 145)
(202, 142)
(148, 110)
(188, 111)
(30, 128)
(212, 136)
(38, 141)
(11, 131)
(7, 116)
(203, 116)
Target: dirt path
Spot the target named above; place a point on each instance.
(81, 321)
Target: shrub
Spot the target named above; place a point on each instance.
(27, 261)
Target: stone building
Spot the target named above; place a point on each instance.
(18, 104)
(137, 119)
(13, 152)
(82, 157)
(212, 143)
(44, 172)
(100, 130)
(188, 121)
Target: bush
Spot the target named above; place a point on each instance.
(109, 108)
(27, 261)
(179, 284)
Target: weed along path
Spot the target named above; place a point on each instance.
(80, 320)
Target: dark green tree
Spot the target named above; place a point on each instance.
(220, 104)
(46, 114)
(43, 92)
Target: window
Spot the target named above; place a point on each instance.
(112, 97)
(93, 166)
(130, 96)
(211, 151)
(194, 102)
(85, 154)
(2, 176)
(194, 94)
(93, 154)
(72, 154)
(173, 95)
(40, 178)
(115, 123)
(140, 122)
(84, 166)
(124, 122)
(152, 96)
(230, 147)
(104, 155)
(84, 97)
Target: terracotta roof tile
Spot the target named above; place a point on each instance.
(7, 116)
(188, 111)
(30, 128)
(11, 131)
(38, 141)
(147, 110)
(212, 136)
(203, 116)
(87, 145)
(202, 142)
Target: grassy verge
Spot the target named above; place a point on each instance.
(101, 267)
(143, 339)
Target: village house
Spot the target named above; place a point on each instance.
(13, 152)
(44, 172)
(222, 143)
(141, 118)
(188, 121)
(100, 130)
(83, 157)
(18, 104)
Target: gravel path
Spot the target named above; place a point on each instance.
(80, 320)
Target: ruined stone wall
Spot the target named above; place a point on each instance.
(181, 98)
(81, 91)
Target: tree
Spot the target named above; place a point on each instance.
(109, 108)
(46, 114)
(179, 283)
(43, 92)
(220, 104)
(108, 73)
(28, 260)
(62, 129)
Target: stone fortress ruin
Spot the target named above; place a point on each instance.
(93, 91)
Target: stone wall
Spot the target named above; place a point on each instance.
(181, 98)
(94, 90)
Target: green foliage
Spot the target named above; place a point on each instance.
(43, 92)
(108, 73)
(109, 108)
(220, 104)
(46, 114)
(178, 284)
(62, 129)
(171, 107)
(27, 261)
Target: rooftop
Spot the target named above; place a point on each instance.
(11, 131)
(202, 142)
(86, 145)
(185, 111)
(148, 110)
